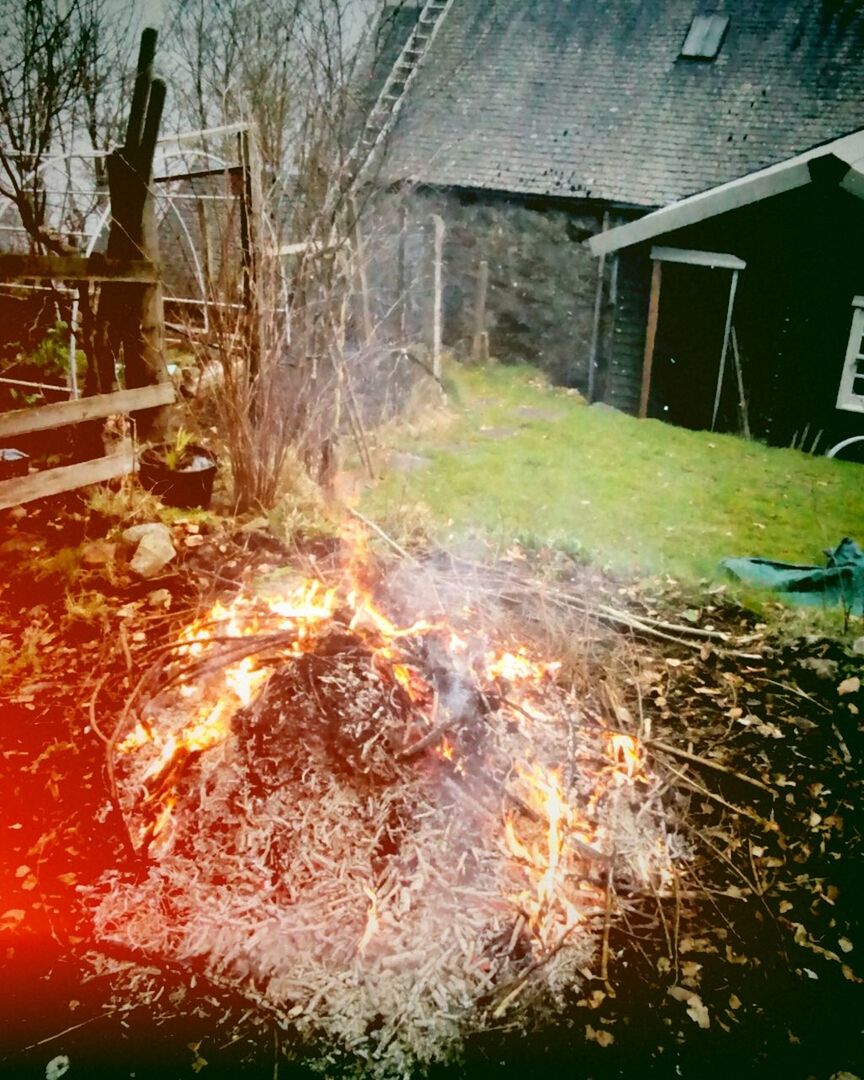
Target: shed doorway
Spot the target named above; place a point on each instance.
(687, 379)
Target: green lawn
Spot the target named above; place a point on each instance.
(520, 460)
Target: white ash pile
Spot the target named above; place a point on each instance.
(389, 835)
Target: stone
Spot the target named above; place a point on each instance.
(135, 533)
(858, 646)
(153, 553)
(824, 669)
(98, 553)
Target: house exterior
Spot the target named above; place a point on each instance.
(532, 126)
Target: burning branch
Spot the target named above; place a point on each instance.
(306, 749)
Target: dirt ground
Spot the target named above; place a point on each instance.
(753, 967)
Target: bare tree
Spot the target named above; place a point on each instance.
(55, 57)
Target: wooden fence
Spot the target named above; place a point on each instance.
(131, 301)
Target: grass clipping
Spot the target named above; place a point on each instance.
(399, 836)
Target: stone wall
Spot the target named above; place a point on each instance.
(542, 280)
(541, 287)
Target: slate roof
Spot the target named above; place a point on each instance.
(589, 98)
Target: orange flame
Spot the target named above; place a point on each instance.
(540, 837)
(626, 754)
(547, 906)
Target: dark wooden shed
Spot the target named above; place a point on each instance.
(754, 313)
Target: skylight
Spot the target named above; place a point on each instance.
(705, 37)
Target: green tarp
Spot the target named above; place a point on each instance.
(840, 581)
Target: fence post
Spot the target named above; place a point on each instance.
(480, 341)
(134, 312)
(437, 291)
(251, 198)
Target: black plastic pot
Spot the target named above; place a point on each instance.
(189, 484)
(13, 463)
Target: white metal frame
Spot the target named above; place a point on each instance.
(849, 398)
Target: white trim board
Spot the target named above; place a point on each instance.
(713, 259)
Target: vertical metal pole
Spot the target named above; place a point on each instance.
(726, 330)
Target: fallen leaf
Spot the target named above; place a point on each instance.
(10, 919)
(602, 1038)
(697, 1012)
(695, 1008)
(734, 1001)
(57, 1067)
(699, 944)
(849, 686)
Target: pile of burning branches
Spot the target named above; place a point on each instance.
(387, 834)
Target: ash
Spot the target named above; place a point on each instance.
(397, 842)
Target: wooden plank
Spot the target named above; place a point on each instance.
(713, 259)
(199, 174)
(75, 268)
(39, 485)
(45, 417)
(650, 337)
(480, 339)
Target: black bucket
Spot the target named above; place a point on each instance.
(188, 485)
(13, 463)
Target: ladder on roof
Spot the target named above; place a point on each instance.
(382, 117)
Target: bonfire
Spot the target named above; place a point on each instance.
(379, 824)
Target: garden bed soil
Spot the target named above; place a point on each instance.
(752, 967)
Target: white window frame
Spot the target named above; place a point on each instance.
(850, 396)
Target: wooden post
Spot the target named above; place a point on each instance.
(250, 239)
(402, 273)
(480, 341)
(437, 292)
(650, 337)
(135, 323)
(726, 330)
(365, 312)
